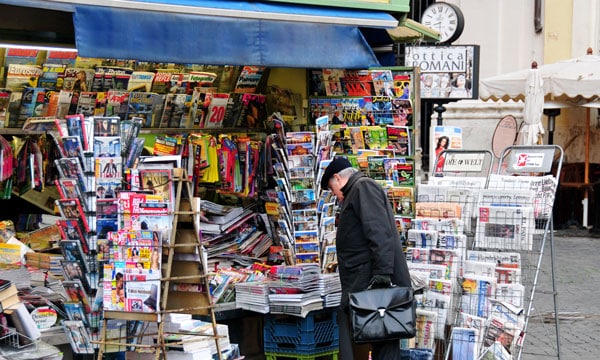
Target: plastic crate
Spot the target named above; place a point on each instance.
(330, 355)
(317, 333)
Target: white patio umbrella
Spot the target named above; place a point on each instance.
(532, 130)
(575, 81)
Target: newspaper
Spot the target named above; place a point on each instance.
(505, 227)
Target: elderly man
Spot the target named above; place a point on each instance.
(369, 248)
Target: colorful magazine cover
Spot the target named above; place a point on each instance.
(107, 146)
(106, 126)
(75, 312)
(75, 292)
(72, 251)
(72, 209)
(73, 271)
(71, 229)
(159, 182)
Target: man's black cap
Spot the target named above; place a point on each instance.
(335, 166)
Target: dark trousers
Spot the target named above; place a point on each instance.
(388, 350)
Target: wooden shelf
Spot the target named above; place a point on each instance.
(42, 199)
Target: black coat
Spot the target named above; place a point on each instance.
(367, 240)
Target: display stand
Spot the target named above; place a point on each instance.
(185, 238)
(510, 212)
(537, 161)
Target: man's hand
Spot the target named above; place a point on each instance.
(380, 281)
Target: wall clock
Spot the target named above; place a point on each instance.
(445, 18)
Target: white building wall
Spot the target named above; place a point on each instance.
(504, 29)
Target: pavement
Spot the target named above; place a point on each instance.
(577, 279)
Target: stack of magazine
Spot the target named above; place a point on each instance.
(295, 290)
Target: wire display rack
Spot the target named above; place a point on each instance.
(477, 243)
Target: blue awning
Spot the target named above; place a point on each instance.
(222, 32)
(183, 38)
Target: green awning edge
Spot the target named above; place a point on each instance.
(409, 30)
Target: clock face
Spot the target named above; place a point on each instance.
(445, 18)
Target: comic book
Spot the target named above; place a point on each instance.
(399, 139)
(382, 110)
(332, 80)
(402, 200)
(383, 82)
(357, 82)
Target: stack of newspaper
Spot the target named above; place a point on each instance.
(331, 289)
(253, 296)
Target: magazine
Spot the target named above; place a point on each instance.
(72, 209)
(106, 126)
(142, 296)
(107, 146)
(108, 167)
(75, 312)
(78, 337)
(71, 229)
(72, 251)
(159, 182)
(75, 292)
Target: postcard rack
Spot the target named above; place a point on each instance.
(479, 237)
(189, 271)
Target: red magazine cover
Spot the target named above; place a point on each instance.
(71, 229)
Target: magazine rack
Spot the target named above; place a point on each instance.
(184, 239)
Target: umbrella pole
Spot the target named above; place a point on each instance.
(586, 173)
